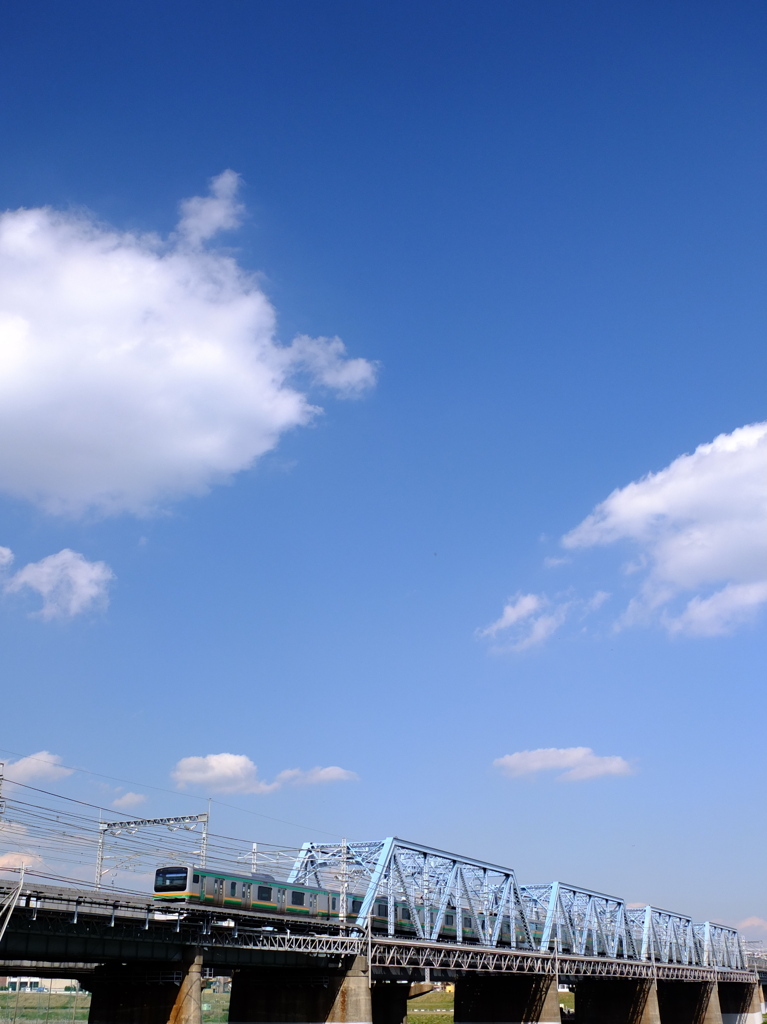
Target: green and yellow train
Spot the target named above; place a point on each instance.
(263, 893)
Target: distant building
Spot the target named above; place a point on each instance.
(31, 984)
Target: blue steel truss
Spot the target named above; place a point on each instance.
(547, 918)
(720, 946)
(579, 921)
(431, 883)
(664, 937)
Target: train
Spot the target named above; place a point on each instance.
(263, 893)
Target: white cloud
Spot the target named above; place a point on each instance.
(756, 925)
(67, 582)
(128, 800)
(579, 763)
(135, 370)
(520, 607)
(720, 613)
(325, 361)
(532, 621)
(236, 773)
(701, 528)
(314, 776)
(202, 217)
(40, 767)
(15, 859)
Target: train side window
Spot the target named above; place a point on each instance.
(333, 904)
(356, 906)
(382, 910)
(405, 914)
(449, 920)
(467, 922)
(232, 888)
(265, 893)
(297, 899)
(195, 879)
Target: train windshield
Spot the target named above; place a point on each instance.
(170, 880)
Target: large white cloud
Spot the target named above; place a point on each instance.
(576, 764)
(236, 773)
(135, 370)
(699, 527)
(697, 535)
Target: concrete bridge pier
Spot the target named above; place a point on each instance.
(740, 1003)
(616, 1001)
(389, 1001)
(303, 995)
(506, 999)
(688, 1002)
(187, 1007)
(146, 994)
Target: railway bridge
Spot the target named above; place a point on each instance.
(143, 962)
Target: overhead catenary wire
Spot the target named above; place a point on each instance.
(161, 789)
(61, 842)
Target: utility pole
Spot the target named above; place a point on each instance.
(344, 882)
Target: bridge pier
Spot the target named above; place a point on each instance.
(740, 1003)
(263, 995)
(616, 1001)
(187, 1007)
(688, 1002)
(389, 1002)
(506, 999)
(146, 994)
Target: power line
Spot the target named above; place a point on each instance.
(160, 789)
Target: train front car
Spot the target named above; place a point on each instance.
(172, 884)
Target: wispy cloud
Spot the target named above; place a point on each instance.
(753, 925)
(528, 620)
(236, 773)
(134, 369)
(128, 801)
(67, 582)
(575, 764)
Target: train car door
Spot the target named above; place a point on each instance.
(218, 892)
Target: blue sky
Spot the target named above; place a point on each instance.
(538, 231)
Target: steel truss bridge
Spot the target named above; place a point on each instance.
(549, 929)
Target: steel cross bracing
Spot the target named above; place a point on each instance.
(552, 917)
(579, 921)
(721, 946)
(431, 884)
